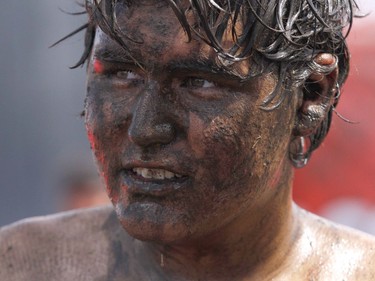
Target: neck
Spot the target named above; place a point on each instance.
(252, 246)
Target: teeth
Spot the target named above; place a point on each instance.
(146, 174)
(169, 174)
(158, 174)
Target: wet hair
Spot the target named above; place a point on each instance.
(280, 36)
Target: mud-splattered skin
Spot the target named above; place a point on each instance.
(225, 212)
(181, 116)
(228, 216)
(185, 114)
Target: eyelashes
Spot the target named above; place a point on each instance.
(103, 68)
(123, 76)
(128, 75)
(196, 82)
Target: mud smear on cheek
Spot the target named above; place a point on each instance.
(100, 136)
(195, 138)
(235, 131)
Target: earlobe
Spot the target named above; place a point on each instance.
(319, 95)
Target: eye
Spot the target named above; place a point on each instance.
(127, 75)
(195, 82)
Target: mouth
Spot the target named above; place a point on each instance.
(155, 174)
(144, 183)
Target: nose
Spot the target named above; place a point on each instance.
(151, 124)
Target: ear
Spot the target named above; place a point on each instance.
(317, 97)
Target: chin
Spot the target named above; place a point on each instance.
(153, 222)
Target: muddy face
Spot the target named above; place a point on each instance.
(182, 145)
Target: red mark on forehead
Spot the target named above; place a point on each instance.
(98, 66)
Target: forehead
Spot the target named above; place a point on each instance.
(154, 37)
(149, 30)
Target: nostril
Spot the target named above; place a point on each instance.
(167, 132)
(165, 128)
(152, 134)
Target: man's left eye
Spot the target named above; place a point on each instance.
(197, 83)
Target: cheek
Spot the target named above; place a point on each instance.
(223, 143)
(91, 123)
(100, 134)
(98, 115)
(240, 145)
(218, 144)
(107, 117)
(270, 145)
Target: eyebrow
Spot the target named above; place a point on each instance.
(199, 64)
(113, 55)
(202, 65)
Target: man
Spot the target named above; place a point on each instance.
(197, 112)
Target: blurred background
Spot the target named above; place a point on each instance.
(45, 159)
(43, 147)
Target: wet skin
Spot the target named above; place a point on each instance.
(183, 113)
(219, 206)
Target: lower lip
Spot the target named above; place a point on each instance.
(137, 185)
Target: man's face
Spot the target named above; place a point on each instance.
(183, 146)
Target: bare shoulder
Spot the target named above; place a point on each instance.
(336, 252)
(61, 245)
